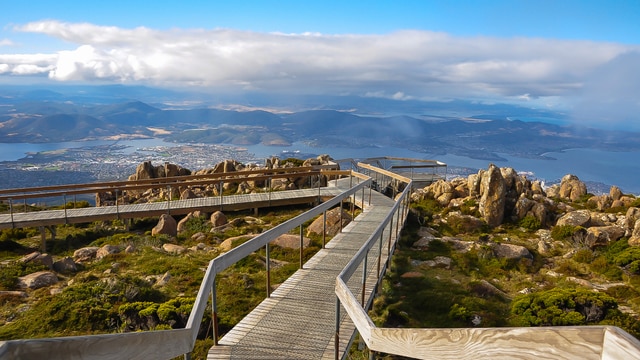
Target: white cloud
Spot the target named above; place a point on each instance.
(422, 64)
(6, 42)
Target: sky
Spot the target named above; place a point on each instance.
(583, 56)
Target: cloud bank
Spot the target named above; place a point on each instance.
(402, 65)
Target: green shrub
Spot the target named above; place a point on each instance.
(10, 273)
(530, 223)
(627, 256)
(583, 256)
(557, 307)
(563, 232)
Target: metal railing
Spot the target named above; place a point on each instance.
(570, 342)
(167, 344)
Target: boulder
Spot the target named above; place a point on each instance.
(166, 225)
(575, 218)
(493, 194)
(65, 265)
(180, 227)
(603, 235)
(632, 215)
(572, 188)
(441, 191)
(634, 240)
(511, 251)
(291, 241)
(173, 249)
(38, 280)
(438, 262)
(107, 250)
(615, 193)
(464, 223)
(332, 223)
(218, 219)
(85, 254)
(38, 258)
(227, 244)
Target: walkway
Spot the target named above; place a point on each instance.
(174, 207)
(298, 320)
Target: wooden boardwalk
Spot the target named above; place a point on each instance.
(298, 320)
(173, 207)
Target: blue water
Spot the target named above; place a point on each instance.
(613, 168)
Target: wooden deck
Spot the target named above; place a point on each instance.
(174, 207)
(298, 320)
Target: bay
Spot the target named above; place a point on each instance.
(607, 167)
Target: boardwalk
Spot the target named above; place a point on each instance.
(175, 207)
(298, 320)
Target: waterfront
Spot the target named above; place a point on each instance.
(116, 159)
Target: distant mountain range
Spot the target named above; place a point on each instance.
(459, 128)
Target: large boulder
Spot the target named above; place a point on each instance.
(441, 191)
(166, 225)
(511, 251)
(572, 188)
(575, 218)
(291, 241)
(182, 223)
(493, 194)
(634, 240)
(38, 280)
(603, 235)
(218, 219)
(107, 250)
(65, 265)
(332, 224)
(38, 258)
(85, 254)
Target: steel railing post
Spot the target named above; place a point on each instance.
(214, 312)
(168, 199)
(11, 211)
(64, 200)
(364, 277)
(337, 334)
(301, 247)
(268, 265)
(324, 228)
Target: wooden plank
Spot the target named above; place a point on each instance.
(495, 343)
(618, 344)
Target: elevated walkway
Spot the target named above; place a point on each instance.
(298, 320)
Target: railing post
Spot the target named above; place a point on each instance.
(337, 335)
(340, 215)
(268, 264)
(214, 312)
(64, 206)
(364, 277)
(380, 253)
(221, 195)
(301, 247)
(168, 199)
(117, 207)
(269, 180)
(324, 228)
(11, 212)
(389, 244)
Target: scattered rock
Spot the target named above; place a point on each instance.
(107, 250)
(218, 219)
(575, 218)
(166, 225)
(291, 241)
(332, 224)
(38, 280)
(65, 265)
(173, 249)
(85, 254)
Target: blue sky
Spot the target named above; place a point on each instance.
(580, 55)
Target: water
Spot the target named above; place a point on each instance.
(612, 168)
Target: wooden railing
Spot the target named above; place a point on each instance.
(576, 342)
(167, 344)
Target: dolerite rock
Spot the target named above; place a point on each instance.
(181, 226)
(634, 240)
(511, 251)
(38, 258)
(107, 250)
(575, 218)
(291, 241)
(85, 254)
(173, 249)
(218, 218)
(572, 188)
(38, 280)
(632, 215)
(65, 265)
(603, 235)
(166, 225)
(492, 200)
(333, 222)
(441, 191)
(615, 193)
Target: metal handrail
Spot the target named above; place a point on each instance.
(584, 342)
(166, 344)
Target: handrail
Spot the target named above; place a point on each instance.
(584, 342)
(164, 344)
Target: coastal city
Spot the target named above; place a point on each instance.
(110, 162)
